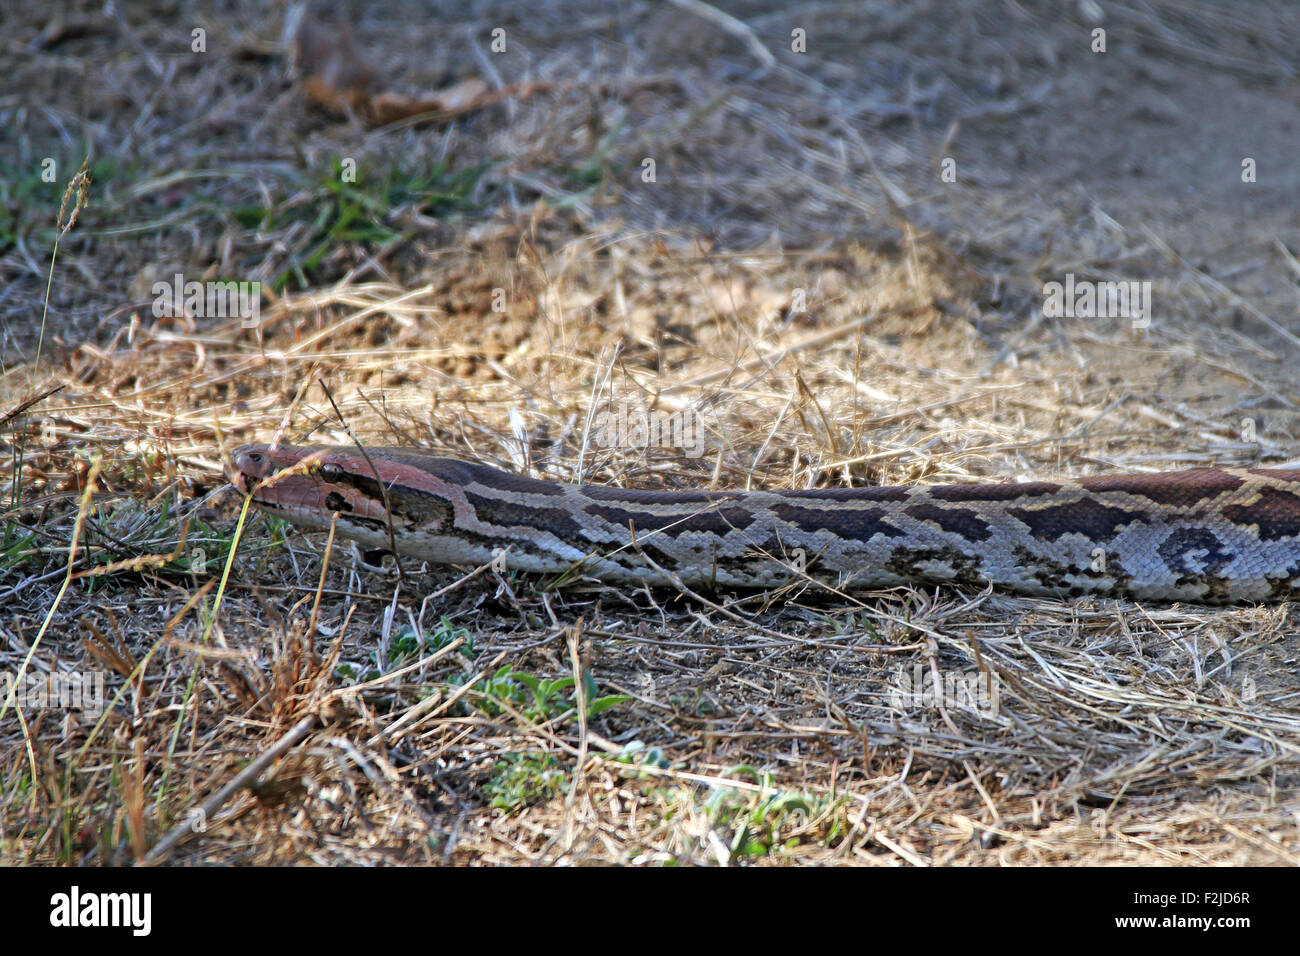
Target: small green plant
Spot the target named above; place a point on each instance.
(540, 698)
(761, 825)
(349, 673)
(446, 633)
(410, 644)
(635, 752)
(404, 646)
(857, 622)
(523, 779)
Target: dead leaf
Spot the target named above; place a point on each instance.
(463, 97)
(336, 78)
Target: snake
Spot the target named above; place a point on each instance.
(1205, 535)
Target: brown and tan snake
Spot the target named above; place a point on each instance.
(1211, 536)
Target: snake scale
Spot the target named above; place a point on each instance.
(1211, 536)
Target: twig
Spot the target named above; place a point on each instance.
(736, 28)
(30, 402)
(209, 806)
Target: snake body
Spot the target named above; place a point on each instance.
(1211, 536)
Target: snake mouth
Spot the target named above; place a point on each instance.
(244, 482)
(247, 469)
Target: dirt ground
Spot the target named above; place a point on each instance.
(836, 257)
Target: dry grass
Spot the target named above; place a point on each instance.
(317, 711)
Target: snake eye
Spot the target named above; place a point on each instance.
(331, 472)
(255, 457)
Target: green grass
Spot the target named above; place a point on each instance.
(537, 698)
(586, 178)
(29, 205)
(26, 200)
(330, 211)
(119, 531)
(519, 780)
(19, 547)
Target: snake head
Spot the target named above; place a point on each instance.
(310, 485)
(252, 465)
(307, 485)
